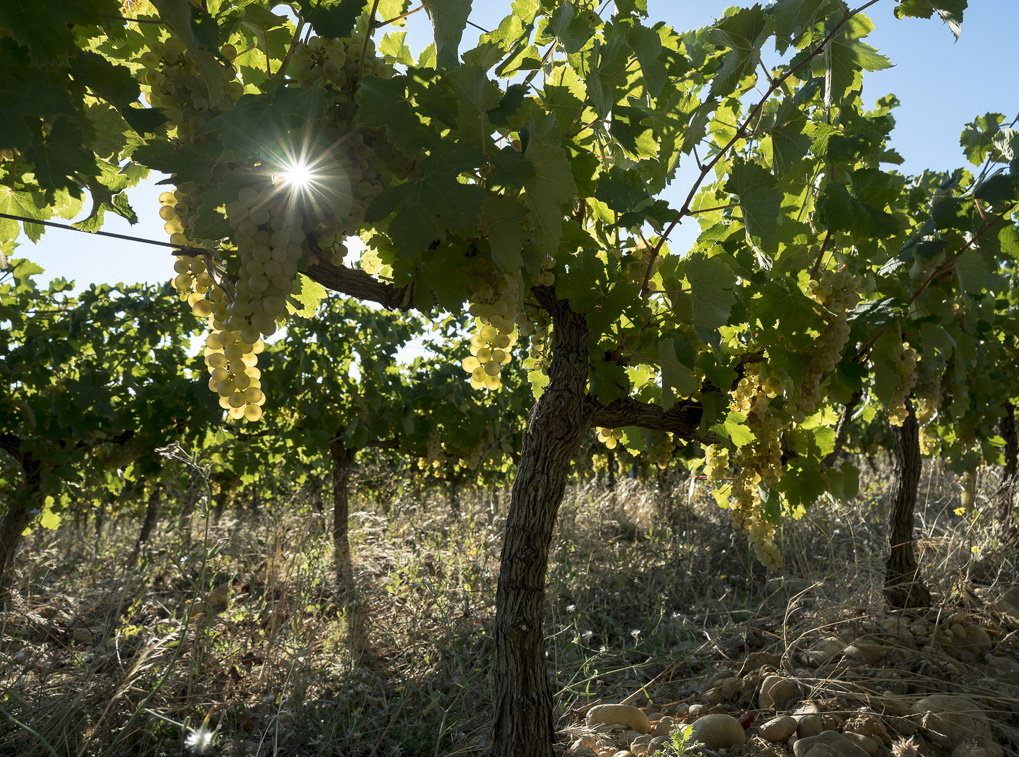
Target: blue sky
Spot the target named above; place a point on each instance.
(942, 83)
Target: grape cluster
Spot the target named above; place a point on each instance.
(636, 264)
(717, 459)
(756, 463)
(246, 295)
(350, 174)
(610, 437)
(660, 451)
(435, 455)
(969, 490)
(905, 358)
(838, 293)
(926, 394)
(178, 86)
(535, 323)
(495, 303)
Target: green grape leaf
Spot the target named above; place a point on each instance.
(950, 11)
(305, 298)
(502, 220)
(793, 17)
(449, 18)
(48, 32)
(677, 376)
(571, 28)
(735, 429)
(741, 35)
(384, 104)
(840, 211)
(712, 292)
(647, 49)
(25, 204)
(846, 56)
(623, 190)
(436, 274)
(331, 18)
(632, 129)
(62, 161)
(971, 271)
(432, 203)
(538, 381)
(977, 139)
(760, 199)
(788, 142)
(549, 188)
(1008, 238)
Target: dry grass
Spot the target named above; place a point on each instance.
(651, 595)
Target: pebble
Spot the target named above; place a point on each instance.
(808, 725)
(619, 714)
(779, 728)
(827, 744)
(776, 691)
(952, 716)
(866, 743)
(719, 731)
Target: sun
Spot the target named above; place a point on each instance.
(298, 175)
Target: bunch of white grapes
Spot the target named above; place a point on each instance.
(758, 462)
(535, 323)
(179, 87)
(905, 358)
(610, 437)
(969, 491)
(838, 293)
(660, 450)
(495, 303)
(435, 455)
(635, 265)
(716, 457)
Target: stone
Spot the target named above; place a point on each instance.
(952, 717)
(719, 731)
(641, 745)
(664, 726)
(584, 751)
(778, 728)
(827, 744)
(977, 640)
(695, 709)
(1002, 665)
(776, 691)
(973, 748)
(584, 741)
(624, 753)
(82, 635)
(866, 743)
(825, 651)
(864, 653)
(619, 714)
(808, 725)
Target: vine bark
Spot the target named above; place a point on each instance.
(523, 725)
(903, 585)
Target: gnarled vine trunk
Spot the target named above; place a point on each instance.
(151, 516)
(903, 584)
(343, 461)
(17, 512)
(523, 724)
